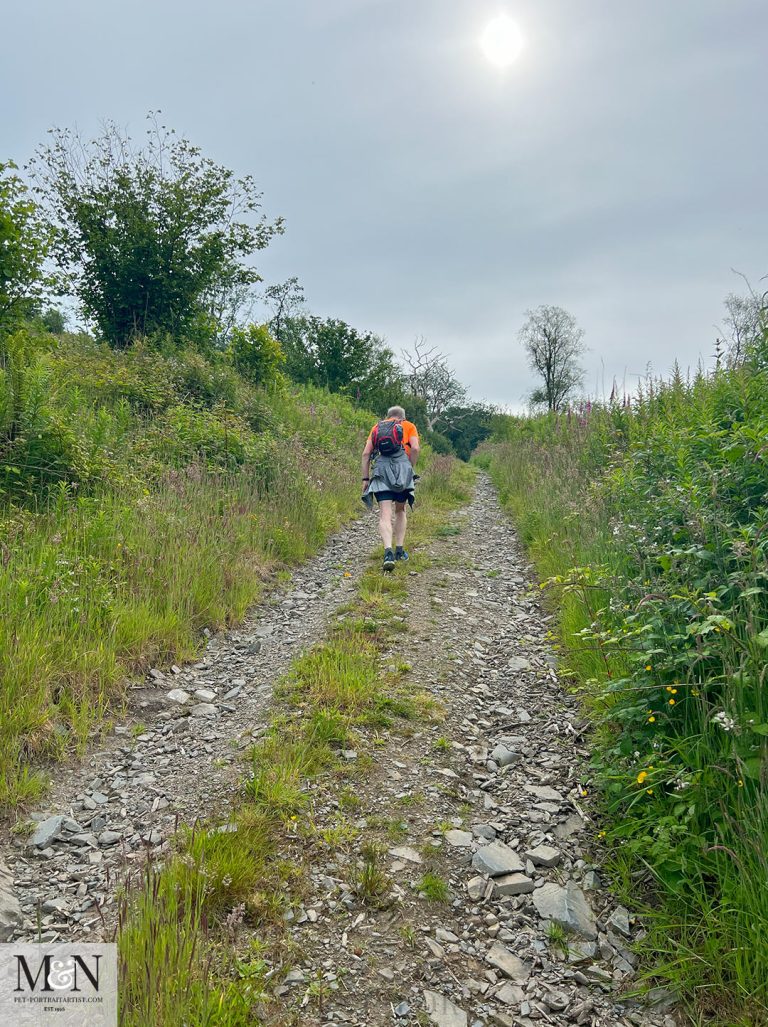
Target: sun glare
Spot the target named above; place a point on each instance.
(502, 41)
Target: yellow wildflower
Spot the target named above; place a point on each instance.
(740, 783)
(671, 702)
(651, 720)
(649, 791)
(642, 776)
(648, 666)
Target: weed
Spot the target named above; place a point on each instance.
(433, 888)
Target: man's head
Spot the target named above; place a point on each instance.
(397, 412)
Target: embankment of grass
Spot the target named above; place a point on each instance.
(647, 522)
(187, 931)
(144, 498)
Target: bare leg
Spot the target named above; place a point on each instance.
(385, 522)
(401, 523)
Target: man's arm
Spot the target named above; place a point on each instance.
(366, 463)
(413, 450)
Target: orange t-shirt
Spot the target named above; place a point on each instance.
(410, 432)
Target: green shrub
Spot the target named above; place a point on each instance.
(256, 355)
(650, 521)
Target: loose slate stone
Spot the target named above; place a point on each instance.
(203, 709)
(567, 907)
(619, 920)
(442, 1012)
(504, 756)
(47, 831)
(517, 663)
(544, 792)
(459, 839)
(496, 859)
(178, 695)
(476, 888)
(407, 853)
(544, 856)
(512, 884)
(502, 959)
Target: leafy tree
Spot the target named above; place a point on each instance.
(334, 355)
(553, 342)
(431, 380)
(24, 244)
(151, 238)
(284, 301)
(467, 427)
(745, 323)
(256, 355)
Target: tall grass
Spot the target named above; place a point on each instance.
(649, 521)
(143, 499)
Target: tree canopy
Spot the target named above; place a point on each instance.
(553, 342)
(153, 239)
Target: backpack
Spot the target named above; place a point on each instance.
(387, 438)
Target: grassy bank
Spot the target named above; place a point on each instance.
(144, 497)
(202, 939)
(649, 523)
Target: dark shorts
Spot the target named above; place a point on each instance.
(392, 497)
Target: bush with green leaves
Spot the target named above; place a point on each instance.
(154, 240)
(256, 355)
(24, 244)
(650, 521)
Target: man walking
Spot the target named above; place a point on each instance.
(393, 445)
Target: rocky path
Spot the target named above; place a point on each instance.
(491, 802)
(495, 914)
(174, 758)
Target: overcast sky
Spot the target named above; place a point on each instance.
(617, 169)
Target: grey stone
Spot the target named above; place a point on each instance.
(484, 831)
(448, 937)
(476, 888)
(47, 831)
(503, 756)
(407, 853)
(459, 839)
(496, 859)
(178, 695)
(582, 952)
(518, 663)
(203, 709)
(294, 977)
(567, 907)
(619, 920)
(544, 856)
(402, 1009)
(109, 837)
(544, 792)
(11, 916)
(512, 884)
(591, 881)
(502, 959)
(510, 995)
(570, 826)
(442, 1012)
(204, 694)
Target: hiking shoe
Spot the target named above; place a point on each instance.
(401, 554)
(389, 560)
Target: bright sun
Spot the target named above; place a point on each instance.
(501, 41)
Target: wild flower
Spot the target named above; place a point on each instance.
(723, 720)
(642, 776)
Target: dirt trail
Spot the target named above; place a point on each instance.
(489, 801)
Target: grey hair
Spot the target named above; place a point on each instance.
(396, 412)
